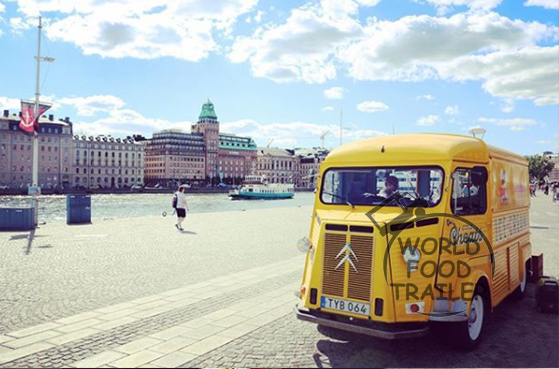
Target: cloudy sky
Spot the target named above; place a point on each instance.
(284, 70)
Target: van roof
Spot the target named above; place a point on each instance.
(420, 147)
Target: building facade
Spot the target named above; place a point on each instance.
(203, 156)
(55, 153)
(237, 158)
(276, 165)
(107, 162)
(308, 166)
(174, 157)
(208, 127)
(554, 158)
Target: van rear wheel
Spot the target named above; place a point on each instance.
(518, 294)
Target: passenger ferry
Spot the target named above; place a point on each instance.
(256, 187)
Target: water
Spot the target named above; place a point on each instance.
(113, 206)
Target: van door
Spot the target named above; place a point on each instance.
(465, 244)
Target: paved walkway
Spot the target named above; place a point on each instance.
(167, 329)
(164, 307)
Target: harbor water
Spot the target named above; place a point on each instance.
(52, 208)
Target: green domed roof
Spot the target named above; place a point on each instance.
(207, 111)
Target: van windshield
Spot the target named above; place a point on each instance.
(407, 186)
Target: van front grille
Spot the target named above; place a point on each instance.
(333, 281)
(359, 287)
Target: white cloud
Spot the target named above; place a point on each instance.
(514, 124)
(508, 106)
(144, 30)
(549, 4)
(303, 48)
(7, 103)
(293, 133)
(452, 110)
(88, 106)
(258, 16)
(335, 93)
(19, 25)
(371, 106)
(428, 120)
(445, 6)
(368, 2)
(551, 100)
(529, 73)
(501, 52)
(328, 108)
(425, 97)
(126, 122)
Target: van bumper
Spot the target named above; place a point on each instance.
(382, 330)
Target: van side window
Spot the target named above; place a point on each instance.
(469, 191)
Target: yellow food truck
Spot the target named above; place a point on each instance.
(416, 232)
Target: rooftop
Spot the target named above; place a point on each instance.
(409, 147)
(207, 111)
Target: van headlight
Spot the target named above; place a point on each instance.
(412, 257)
(304, 245)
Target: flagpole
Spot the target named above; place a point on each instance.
(36, 131)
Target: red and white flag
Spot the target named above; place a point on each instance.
(30, 122)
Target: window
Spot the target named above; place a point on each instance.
(372, 186)
(469, 191)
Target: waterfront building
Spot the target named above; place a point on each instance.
(276, 165)
(107, 162)
(203, 156)
(554, 158)
(208, 127)
(308, 166)
(237, 157)
(55, 153)
(174, 157)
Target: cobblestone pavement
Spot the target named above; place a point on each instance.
(235, 313)
(66, 270)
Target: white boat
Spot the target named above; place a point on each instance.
(256, 187)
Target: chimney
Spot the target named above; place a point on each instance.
(6, 113)
(51, 117)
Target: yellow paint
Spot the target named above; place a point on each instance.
(507, 196)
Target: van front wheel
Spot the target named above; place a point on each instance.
(469, 332)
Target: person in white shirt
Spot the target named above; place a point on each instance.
(182, 207)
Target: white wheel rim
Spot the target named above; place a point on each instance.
(475, 319)
(523, 282)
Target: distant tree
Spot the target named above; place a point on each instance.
(539, 166)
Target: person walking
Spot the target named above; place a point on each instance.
(181, 207)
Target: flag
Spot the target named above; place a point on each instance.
(30, 122)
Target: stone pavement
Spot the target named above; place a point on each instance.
(165, 308)
(167, 329)
(65, 270)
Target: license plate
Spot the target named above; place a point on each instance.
(345, 306)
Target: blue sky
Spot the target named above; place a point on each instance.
(282, 70)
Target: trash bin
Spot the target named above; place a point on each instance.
(17, 219)
(78, 209)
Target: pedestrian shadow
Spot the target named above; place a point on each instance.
(188, 232)
(30, 237)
